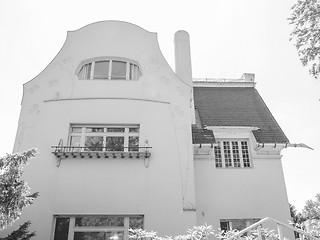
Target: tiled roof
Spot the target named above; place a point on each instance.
(234, 106)
(202, 136)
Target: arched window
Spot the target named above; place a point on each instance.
(109, 68)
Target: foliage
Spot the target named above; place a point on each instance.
(195, 233)
(206, 232)
(313, 227)
(296, 216)
(305, 17)
(311, 209)
(203, 233)
(21, 234)
(14, 192)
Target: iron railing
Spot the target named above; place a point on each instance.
(65, 152)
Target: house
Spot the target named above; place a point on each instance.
(126, 142)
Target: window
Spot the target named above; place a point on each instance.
(232, 154)
(100, 227)
(239, 224)
(104, 138)
(111, 69)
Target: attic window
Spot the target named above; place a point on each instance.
(109, 69)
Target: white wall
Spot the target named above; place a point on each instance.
(241, 193)
(158, 101)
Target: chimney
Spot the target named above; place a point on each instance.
(183, 65)
(183, 56)
(248, 77)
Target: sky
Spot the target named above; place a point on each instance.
(228, 38)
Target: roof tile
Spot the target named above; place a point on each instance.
(235, 106)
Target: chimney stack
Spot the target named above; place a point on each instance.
(183, 65)
(183, 56)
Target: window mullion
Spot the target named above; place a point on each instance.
(231, 153)
(92, 70)
(71, 228)
(82, 139)
(126, 139)
(110, 69)
(126, 228)
(240, 154)
(127, 71)
(222, 154)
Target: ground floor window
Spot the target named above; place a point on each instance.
(237, 224)
(95, 227)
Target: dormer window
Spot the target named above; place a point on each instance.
(232, 154)
(109, 69)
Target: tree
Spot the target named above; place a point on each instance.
(305, 17)
(21, 234)
(311, 209)
(296, 216)
(14, 192)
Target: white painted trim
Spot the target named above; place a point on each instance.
(232, 128)
(104, 98)
(224, 84)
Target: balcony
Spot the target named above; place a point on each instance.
(67, 152)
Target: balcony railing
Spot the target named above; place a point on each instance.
(65, 152)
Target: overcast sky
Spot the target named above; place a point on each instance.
(228, 38)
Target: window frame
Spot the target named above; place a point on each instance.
(128, 76)
(126, 134)
(72, 228)
(226, 156)
(248, 222)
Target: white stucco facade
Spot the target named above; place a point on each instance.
(241, 193)
(177, 189)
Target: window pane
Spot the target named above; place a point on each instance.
(118, 70)
(227, 154)
(110, 221)
(98, 235)
(76, 129)
(115, 130)
(114, 235)
(217, 155)
(235, 154)
(61, 229)
(93, 143)
(85, 71)
(245, 154)
(89, 236)
(75, 143)
(101, 69)
(134, 72)
(89, 129)
(133, 143)
(115, 144)
(239, 224)
(136, 222)
(134, 129)
(224, 225)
